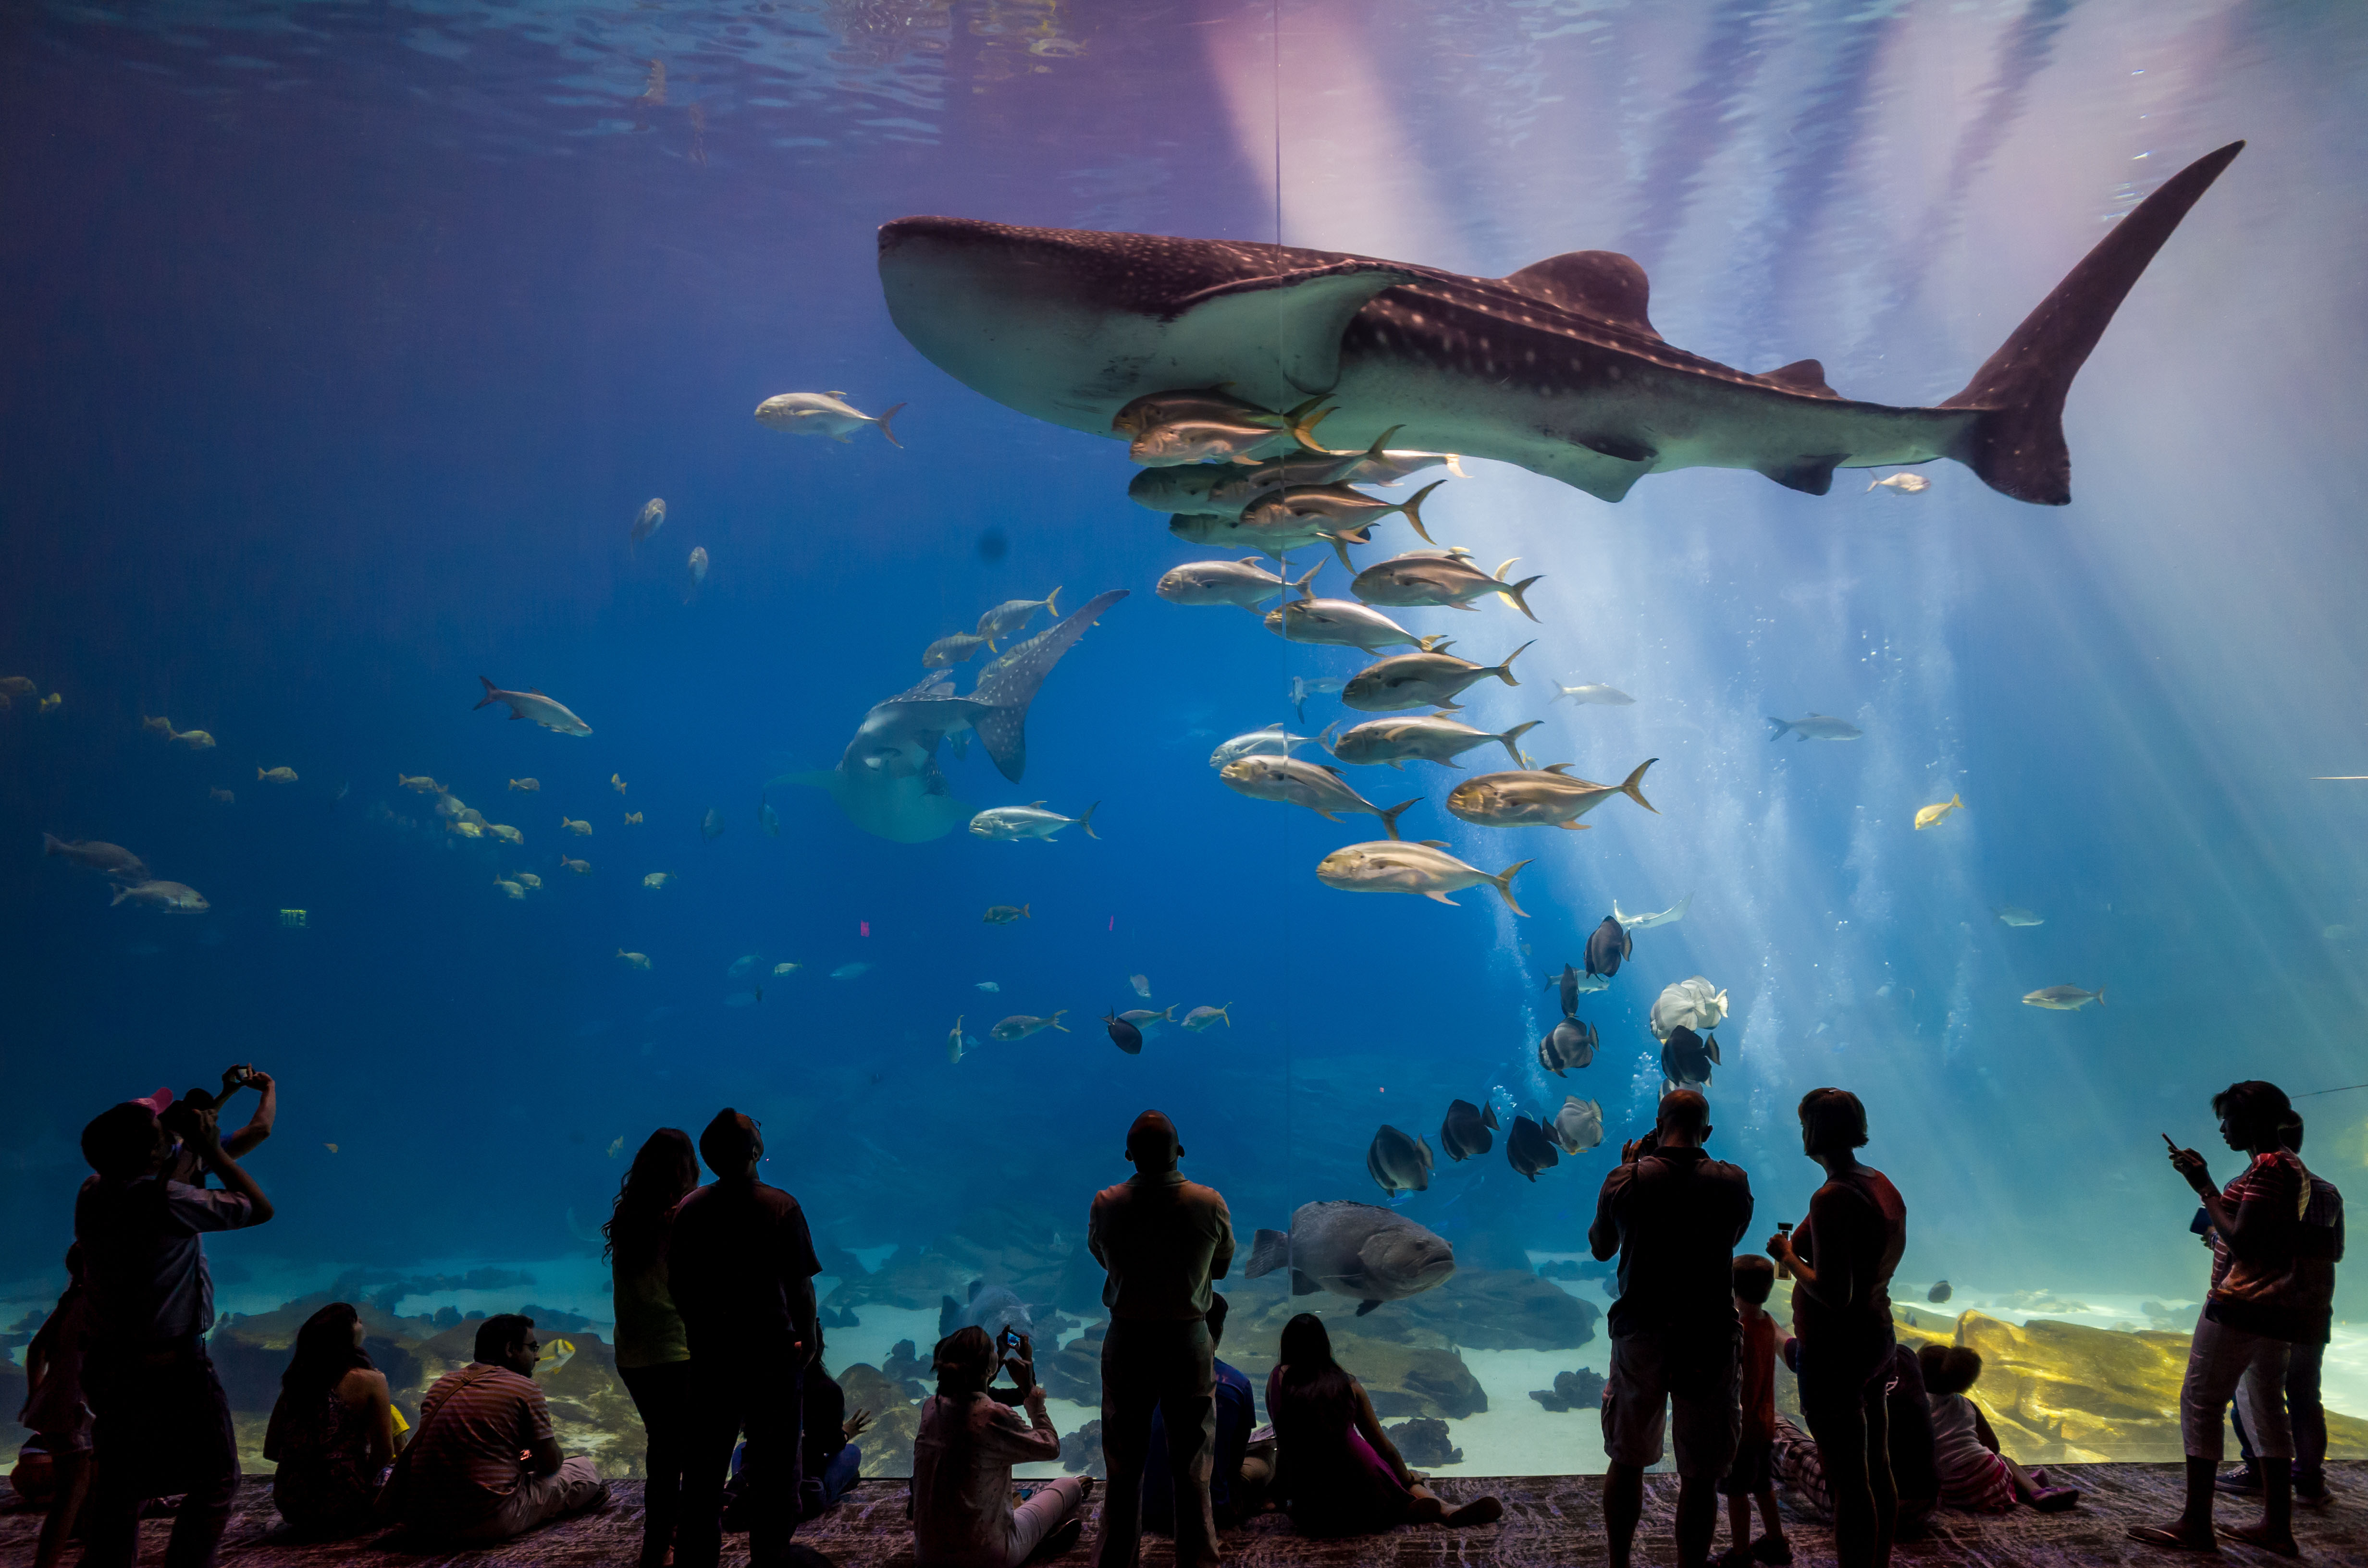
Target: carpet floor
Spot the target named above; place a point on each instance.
(1549, 1522)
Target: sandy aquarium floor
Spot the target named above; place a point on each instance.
(1515, 1434)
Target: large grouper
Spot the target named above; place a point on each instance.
(1358, 1250)
(1556, 367)
(888, 781)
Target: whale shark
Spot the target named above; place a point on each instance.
(1555, 368)
(888, 781)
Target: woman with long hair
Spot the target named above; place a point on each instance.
(332, 1431)
(652, 1353)
(1338, 1473)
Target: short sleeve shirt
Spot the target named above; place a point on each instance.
(473, 1425)
(736, 1254)
(2265, 1294)
(1679, 1214)
(1162, 1240)
(145, 1262)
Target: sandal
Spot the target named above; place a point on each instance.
(2170, 1541)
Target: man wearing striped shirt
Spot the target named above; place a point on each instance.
(485, 1465)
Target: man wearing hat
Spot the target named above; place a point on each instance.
(1162, 1240)
(164, 1425)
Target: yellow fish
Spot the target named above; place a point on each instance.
(575, 825)
(158, 727)
(422, 785)
(528, 784)
(637, 960)
(1931, 814)
(225, 796)
(331, 1147)
(527, 879)
(657, 878)
(196, 740)
(618, 1147)
(787, 968)
(276, 775)
(465, 829)
(616, 783)
(581, 867)
(53, 702)
(514, 890)
(556, 1355)
(506, 833)
(632, 819)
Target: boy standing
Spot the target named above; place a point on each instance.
(1755, 1278)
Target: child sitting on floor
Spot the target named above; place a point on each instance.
(1974, 1474)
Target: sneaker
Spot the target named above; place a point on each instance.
(1772, 1548)
(2244, 1481)
(2310, 1485)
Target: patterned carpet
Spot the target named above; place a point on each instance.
(1549, 1522)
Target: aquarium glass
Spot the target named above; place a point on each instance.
(342, 346)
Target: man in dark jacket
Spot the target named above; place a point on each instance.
(740, 1265)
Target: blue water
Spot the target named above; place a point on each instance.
(343, 343)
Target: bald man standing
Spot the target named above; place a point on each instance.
(1162, 1240)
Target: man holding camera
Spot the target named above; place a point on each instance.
(163, 1423)
(187, 1165)
(1673, 1214)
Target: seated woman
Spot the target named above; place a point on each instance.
(332, 1431)
(969, 1441)
(1974, 1474)
(1337, 1473)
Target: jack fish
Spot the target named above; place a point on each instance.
(2065, 998)
(1243, 583)
(1032, 821)
(1816, 727)
(1433, 678)
(1543, 798)
(1019, 1026)
(1426, 869)
(1341, 623)
(1288, 780)
(822, 413)
(1435, 579)
(1272, 741)
(1431, 738)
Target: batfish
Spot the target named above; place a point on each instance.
(1556, 367)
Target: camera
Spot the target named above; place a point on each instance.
(1650, 1142)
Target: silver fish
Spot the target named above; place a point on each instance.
(822, 413)
(1430, 737)
(2057, 998)
(1272, 741)
(1816, 727)
(1424, 868)
(1242, 583)
(1032, 821)
(1276, 536)
(1446, 579)
(1154, 409)
(1337, 507)
(1019, 1026)
(1141, 983)
(1294, 782)
(549, 712)
(1610, 696)
(1434, 678)
(958, 649)
(1012, 616)
(2015, 915)
(1341, 623)
(1146, 1019)
(166, 898)
(694, 572)
(650, 518)
(1901, 484)
(1303, 687)
(1545, 797)
(1200, 1019)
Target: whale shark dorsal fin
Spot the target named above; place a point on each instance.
(1600, 283)
(1294, 317)
(1807, 377)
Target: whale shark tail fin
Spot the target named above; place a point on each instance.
(1009, 683)
(2017, 443)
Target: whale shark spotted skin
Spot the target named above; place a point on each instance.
(1556, 367)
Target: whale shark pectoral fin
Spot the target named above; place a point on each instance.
(1811, 477)
(1367, 1305)
(1298, 317)
(1603, 466)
